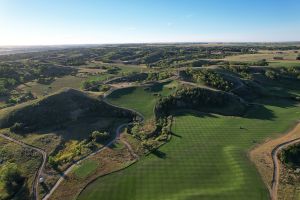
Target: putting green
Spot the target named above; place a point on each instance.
(206, 159)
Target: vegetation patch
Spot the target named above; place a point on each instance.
(85, 168)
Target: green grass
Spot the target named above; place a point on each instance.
(85, 168)
(206, 160)
(59, 83)
(285, 64)
(141, 99)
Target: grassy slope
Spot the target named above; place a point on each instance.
(208, 160)
(139, 99)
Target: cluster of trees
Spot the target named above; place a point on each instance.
(208, 77)
(201, 99)
(291, 156)
(18, 72)
(20, 98)
(271, 74)
(11, 178)
(283, 72)
(242, 70)
(262, 62)
(94, 85)
(155, 76)
(97, 136)
(152, 137)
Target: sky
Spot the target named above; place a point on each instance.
(54, 22)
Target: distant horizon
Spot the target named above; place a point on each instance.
(76, 22)
(137, 43)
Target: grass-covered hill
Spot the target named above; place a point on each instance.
(203, 100)
(54, 110)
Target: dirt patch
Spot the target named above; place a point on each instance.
(261, 155)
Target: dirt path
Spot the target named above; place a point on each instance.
(68, 170)
(265, 158)
(35, 184)
(276, 163)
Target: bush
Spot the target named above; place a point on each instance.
(150, 145)
(52, 162)
(271, 74)
(98, 136)
(11, 177)
(17, 127)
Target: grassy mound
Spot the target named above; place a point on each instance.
(64, 106)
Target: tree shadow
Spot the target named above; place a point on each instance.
(119, 93)
(159, 154)
(183, 112)
(45, 187)
(259, 111)
(176, 135)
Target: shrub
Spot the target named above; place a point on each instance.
(11, 177)
(98, 136)
(17, 127)
(271, 74)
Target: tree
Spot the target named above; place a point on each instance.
(98, 136)
(150, 145)
(11, 177)
(270, 74)
(52, 162)
(298, 57)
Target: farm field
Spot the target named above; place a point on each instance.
(207, 158)
(288, 56)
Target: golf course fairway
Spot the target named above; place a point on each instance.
(205, 159)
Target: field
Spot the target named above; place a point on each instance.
(141, 99)
(42, 89)
(288, 56)
(206, 158)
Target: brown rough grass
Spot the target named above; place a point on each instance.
(261, 155)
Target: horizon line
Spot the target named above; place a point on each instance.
(136, 43)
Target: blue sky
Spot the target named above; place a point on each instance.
(44, 22)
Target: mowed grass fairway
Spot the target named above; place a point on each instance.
(85, 168)
(206, 159)
(141, 99)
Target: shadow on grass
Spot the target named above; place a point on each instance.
(119, 93)
(176, 135)
(159, 154)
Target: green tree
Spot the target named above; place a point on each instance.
(98, 136)
(11, 177)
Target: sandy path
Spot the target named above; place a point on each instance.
(264, 156)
